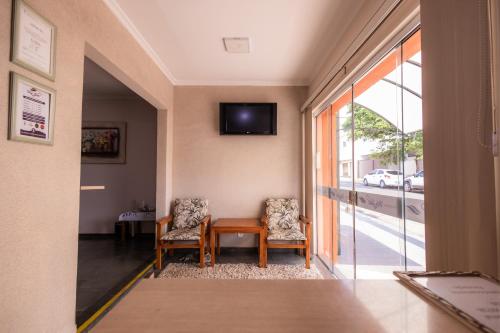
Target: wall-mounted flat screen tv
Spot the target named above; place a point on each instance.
(248, 118)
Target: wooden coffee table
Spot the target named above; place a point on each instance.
(235, 225)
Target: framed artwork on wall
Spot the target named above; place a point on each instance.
(33, 40)
(104, 142)
(31, 111)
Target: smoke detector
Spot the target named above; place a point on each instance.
(237, 44)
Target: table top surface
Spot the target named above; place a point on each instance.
(237, 223)
(137, 216)
(275, 306)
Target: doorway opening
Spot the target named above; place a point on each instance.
(369, 171)
(118, 189)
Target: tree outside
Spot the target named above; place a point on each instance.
(370, 126)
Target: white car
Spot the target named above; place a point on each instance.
(415, 182)
(383, 178)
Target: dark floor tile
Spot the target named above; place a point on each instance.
(105, 266)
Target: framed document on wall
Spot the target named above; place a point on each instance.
(31, 113)
(33, 40)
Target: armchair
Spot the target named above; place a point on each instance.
(188, 227)
(284, 227)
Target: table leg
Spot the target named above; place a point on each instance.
(123, 228)
(139, 227)
(212, 247)
(264, 247)
(261, 249)
(218, 244)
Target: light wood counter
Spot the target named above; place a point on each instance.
(275, 306)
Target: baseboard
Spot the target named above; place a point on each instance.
(95, 236)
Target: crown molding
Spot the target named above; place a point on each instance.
(130, 26)
(242, 83)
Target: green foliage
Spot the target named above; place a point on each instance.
(370, 126)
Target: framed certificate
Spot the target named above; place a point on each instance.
(31, 113)
(471, 297)
(33, 40)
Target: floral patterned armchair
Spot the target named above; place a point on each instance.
(285, 227)
(189, 224)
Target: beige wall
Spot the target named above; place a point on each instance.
(39, 215)
(236, 173)
(349, 56)
(338, 53)
(459, 175)
(127, 185)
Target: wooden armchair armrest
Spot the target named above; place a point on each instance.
(264, 220)
(205, 224)
(304, 219)
(206, 220)
(160, 223)
(307, 222)
(165, 220)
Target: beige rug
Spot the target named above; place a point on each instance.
(240, 271)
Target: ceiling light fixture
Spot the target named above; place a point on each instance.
(237, 44)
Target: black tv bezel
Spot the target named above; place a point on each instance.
(222, 117)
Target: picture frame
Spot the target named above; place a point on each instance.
(471, 305)
(104, 142)
(31, 111)
(33, 40)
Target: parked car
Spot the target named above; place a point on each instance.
(415, 182)
(383, 178)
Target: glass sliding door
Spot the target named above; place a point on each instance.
(333, 183)
(411, 79)
(378, 148)
(324, 206)
(343, 265)
(370, 201)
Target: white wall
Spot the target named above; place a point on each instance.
(126, 184)
(235, 173)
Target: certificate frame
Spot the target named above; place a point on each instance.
(15, 109)
(18, 8)
(408, 279)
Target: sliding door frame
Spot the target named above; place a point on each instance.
(347, 84)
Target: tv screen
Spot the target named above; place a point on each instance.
(248, 118)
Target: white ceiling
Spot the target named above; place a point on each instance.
(289, 38)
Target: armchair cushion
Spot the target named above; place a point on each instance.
(188, 213)
(282, 214)
(286, 234)
(183, 234)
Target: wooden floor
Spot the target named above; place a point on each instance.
(158, 305)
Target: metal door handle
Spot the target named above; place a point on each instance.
(353, 198)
